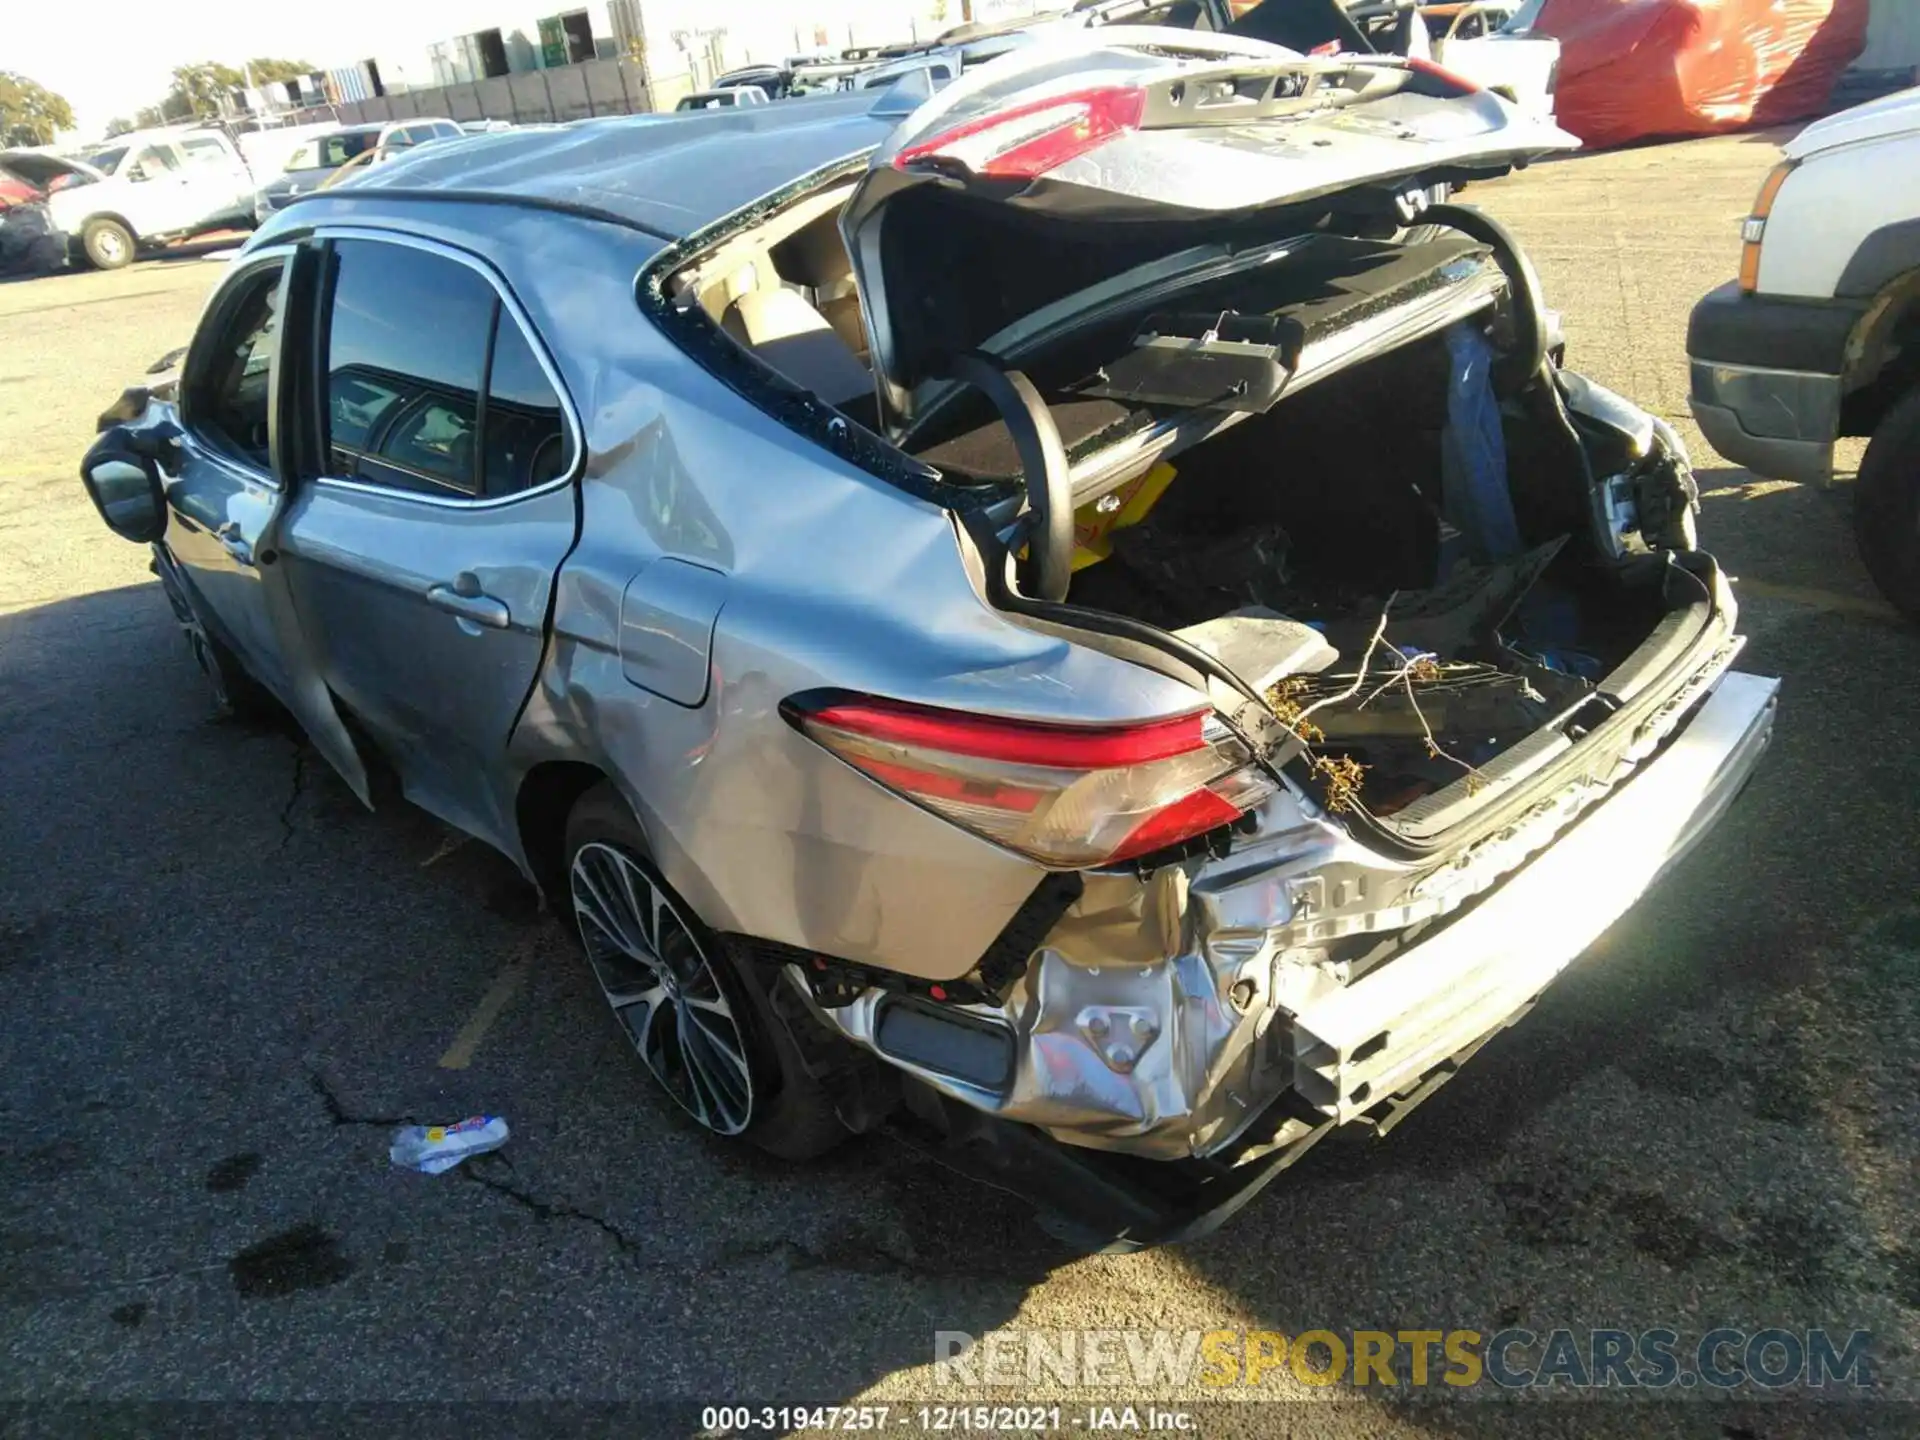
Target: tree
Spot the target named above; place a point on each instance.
(119, 125)
(148, 117)
(201, 90)
(265, 72)
(30, 114)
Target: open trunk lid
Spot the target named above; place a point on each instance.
(1119, 146)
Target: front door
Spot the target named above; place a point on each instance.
(165, 197)
(422, 559)
(226, 500)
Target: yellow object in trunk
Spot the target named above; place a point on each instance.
(1095, 522)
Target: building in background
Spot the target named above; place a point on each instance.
(617, 56)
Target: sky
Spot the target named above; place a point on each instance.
(110, 57)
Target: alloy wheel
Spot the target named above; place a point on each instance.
(664, 988)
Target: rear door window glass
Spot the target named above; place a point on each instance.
(527, 440)
(407, 336)
(206, 151)
(432, 385)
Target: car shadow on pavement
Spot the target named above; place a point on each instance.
(228, 983)
(202, 249)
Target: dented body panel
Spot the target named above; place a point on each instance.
(726, 541)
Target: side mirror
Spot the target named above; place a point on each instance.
(126, 489)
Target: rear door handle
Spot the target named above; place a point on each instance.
(480, 609)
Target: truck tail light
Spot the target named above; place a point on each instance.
(1068, 796)
(1027, 141)
(1754, 228)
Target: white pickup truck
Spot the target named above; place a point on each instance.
(1819, 336)
(141, 189)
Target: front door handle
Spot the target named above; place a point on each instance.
(480, 609)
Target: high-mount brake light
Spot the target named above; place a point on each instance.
(1068, 796)
(1027, 141)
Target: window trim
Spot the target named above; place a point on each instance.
(192, 372)
(506, 304)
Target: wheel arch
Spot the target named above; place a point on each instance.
(114, 215)
(546, 797)
(1883, 355)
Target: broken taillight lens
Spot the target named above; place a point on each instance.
(1029, 140)
(1069, 796)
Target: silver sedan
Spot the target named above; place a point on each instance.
(1074, 615)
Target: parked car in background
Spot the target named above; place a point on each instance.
(267, 150)
(773, 81)
(16, 191)
(731, 98)
(141, 189)
(319, 161)
(484, 127)
(1493, 42)
(951, 598)
(1819, 335)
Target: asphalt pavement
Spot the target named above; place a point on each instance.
(223, 983)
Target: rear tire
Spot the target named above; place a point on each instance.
(700, 1023)
(1886, 506)
(107, 244)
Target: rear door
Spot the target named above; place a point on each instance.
(422, 555)
(228, 491)
(220, 175)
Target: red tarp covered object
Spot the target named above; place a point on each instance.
(1635, 69)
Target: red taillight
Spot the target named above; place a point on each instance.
(1069, 796)
(1452, 80)
(1029, 140)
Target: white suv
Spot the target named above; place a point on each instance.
(1819, 336)
(143, 188)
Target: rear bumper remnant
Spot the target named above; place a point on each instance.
(1163, 1017)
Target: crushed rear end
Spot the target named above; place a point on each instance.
(1230, 398)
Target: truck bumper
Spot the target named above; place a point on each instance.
(1780, 424)
(1767, 379)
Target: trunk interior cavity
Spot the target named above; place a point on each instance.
(1439, 622)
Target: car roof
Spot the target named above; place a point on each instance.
(669, 176)
(155, 136)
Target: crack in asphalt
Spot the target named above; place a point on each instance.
(545, 1210)
(338, 1113)
(805, 1257)
(298, 789)
(853, 1258)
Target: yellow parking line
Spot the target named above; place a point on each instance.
(460, 1053)
(1829, 600)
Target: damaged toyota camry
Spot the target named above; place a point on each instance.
(1077, 617)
